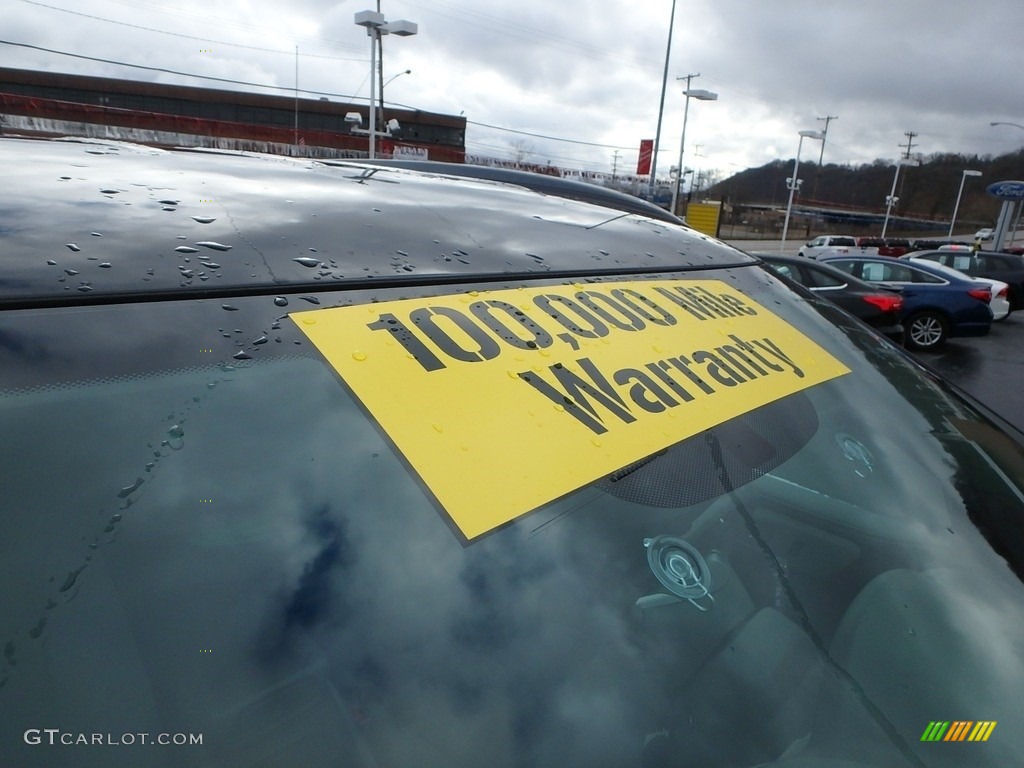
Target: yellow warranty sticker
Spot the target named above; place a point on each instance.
(505, 400)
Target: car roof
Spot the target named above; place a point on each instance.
(538, 182)
(946, 270)
(96, 221)
(1015, 257)
(922, 265)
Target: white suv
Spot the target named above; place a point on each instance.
(828, 244)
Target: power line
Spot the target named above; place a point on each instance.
(289, 88)
(550, 138)
(181, 35)
(223, 23)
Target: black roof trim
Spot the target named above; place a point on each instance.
(398, 281)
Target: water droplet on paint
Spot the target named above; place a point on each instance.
(130, 489)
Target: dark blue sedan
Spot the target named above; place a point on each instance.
(936, 306)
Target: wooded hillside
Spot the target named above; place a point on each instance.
(928, 190)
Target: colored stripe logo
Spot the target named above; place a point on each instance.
(958, 730)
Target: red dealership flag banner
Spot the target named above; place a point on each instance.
(643, 165)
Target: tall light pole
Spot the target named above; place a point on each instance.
(956, 207)
(794, 183)
(689, 93)
(1015, 125)
(376, 26)
(661, 106)
(385, 83)
(891, 200)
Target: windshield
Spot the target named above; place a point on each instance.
(249, 553)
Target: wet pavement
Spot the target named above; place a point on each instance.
(991, 368)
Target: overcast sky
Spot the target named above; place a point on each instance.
(591, 71)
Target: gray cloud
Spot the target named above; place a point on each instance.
(592, 72)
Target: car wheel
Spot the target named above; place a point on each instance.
(926, 330)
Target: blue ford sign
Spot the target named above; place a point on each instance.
(1007, 190)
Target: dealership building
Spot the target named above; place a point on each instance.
(50, 103)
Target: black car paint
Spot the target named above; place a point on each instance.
(451, 638)
(849, 294)
(214, 225)
(538, 182)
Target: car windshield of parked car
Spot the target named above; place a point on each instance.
(318, 555)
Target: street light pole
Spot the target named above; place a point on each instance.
(376, 26)
(890, 201)
(794, 183)
(956, 207)
(1015, 125)
(695, 93)
(385, 83)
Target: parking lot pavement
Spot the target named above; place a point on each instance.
(990, 367)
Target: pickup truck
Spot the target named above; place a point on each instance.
(830, 245)
(887, 246)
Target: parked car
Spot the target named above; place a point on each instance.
(878, 307)
(984, 234)
(1000, 301)
(828, 245)
(318, 465)
(936, 306)
(1006, 267)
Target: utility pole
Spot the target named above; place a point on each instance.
(906, 155)
(824, 134)
(910, 143)
(697, 180)
(615, 163)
